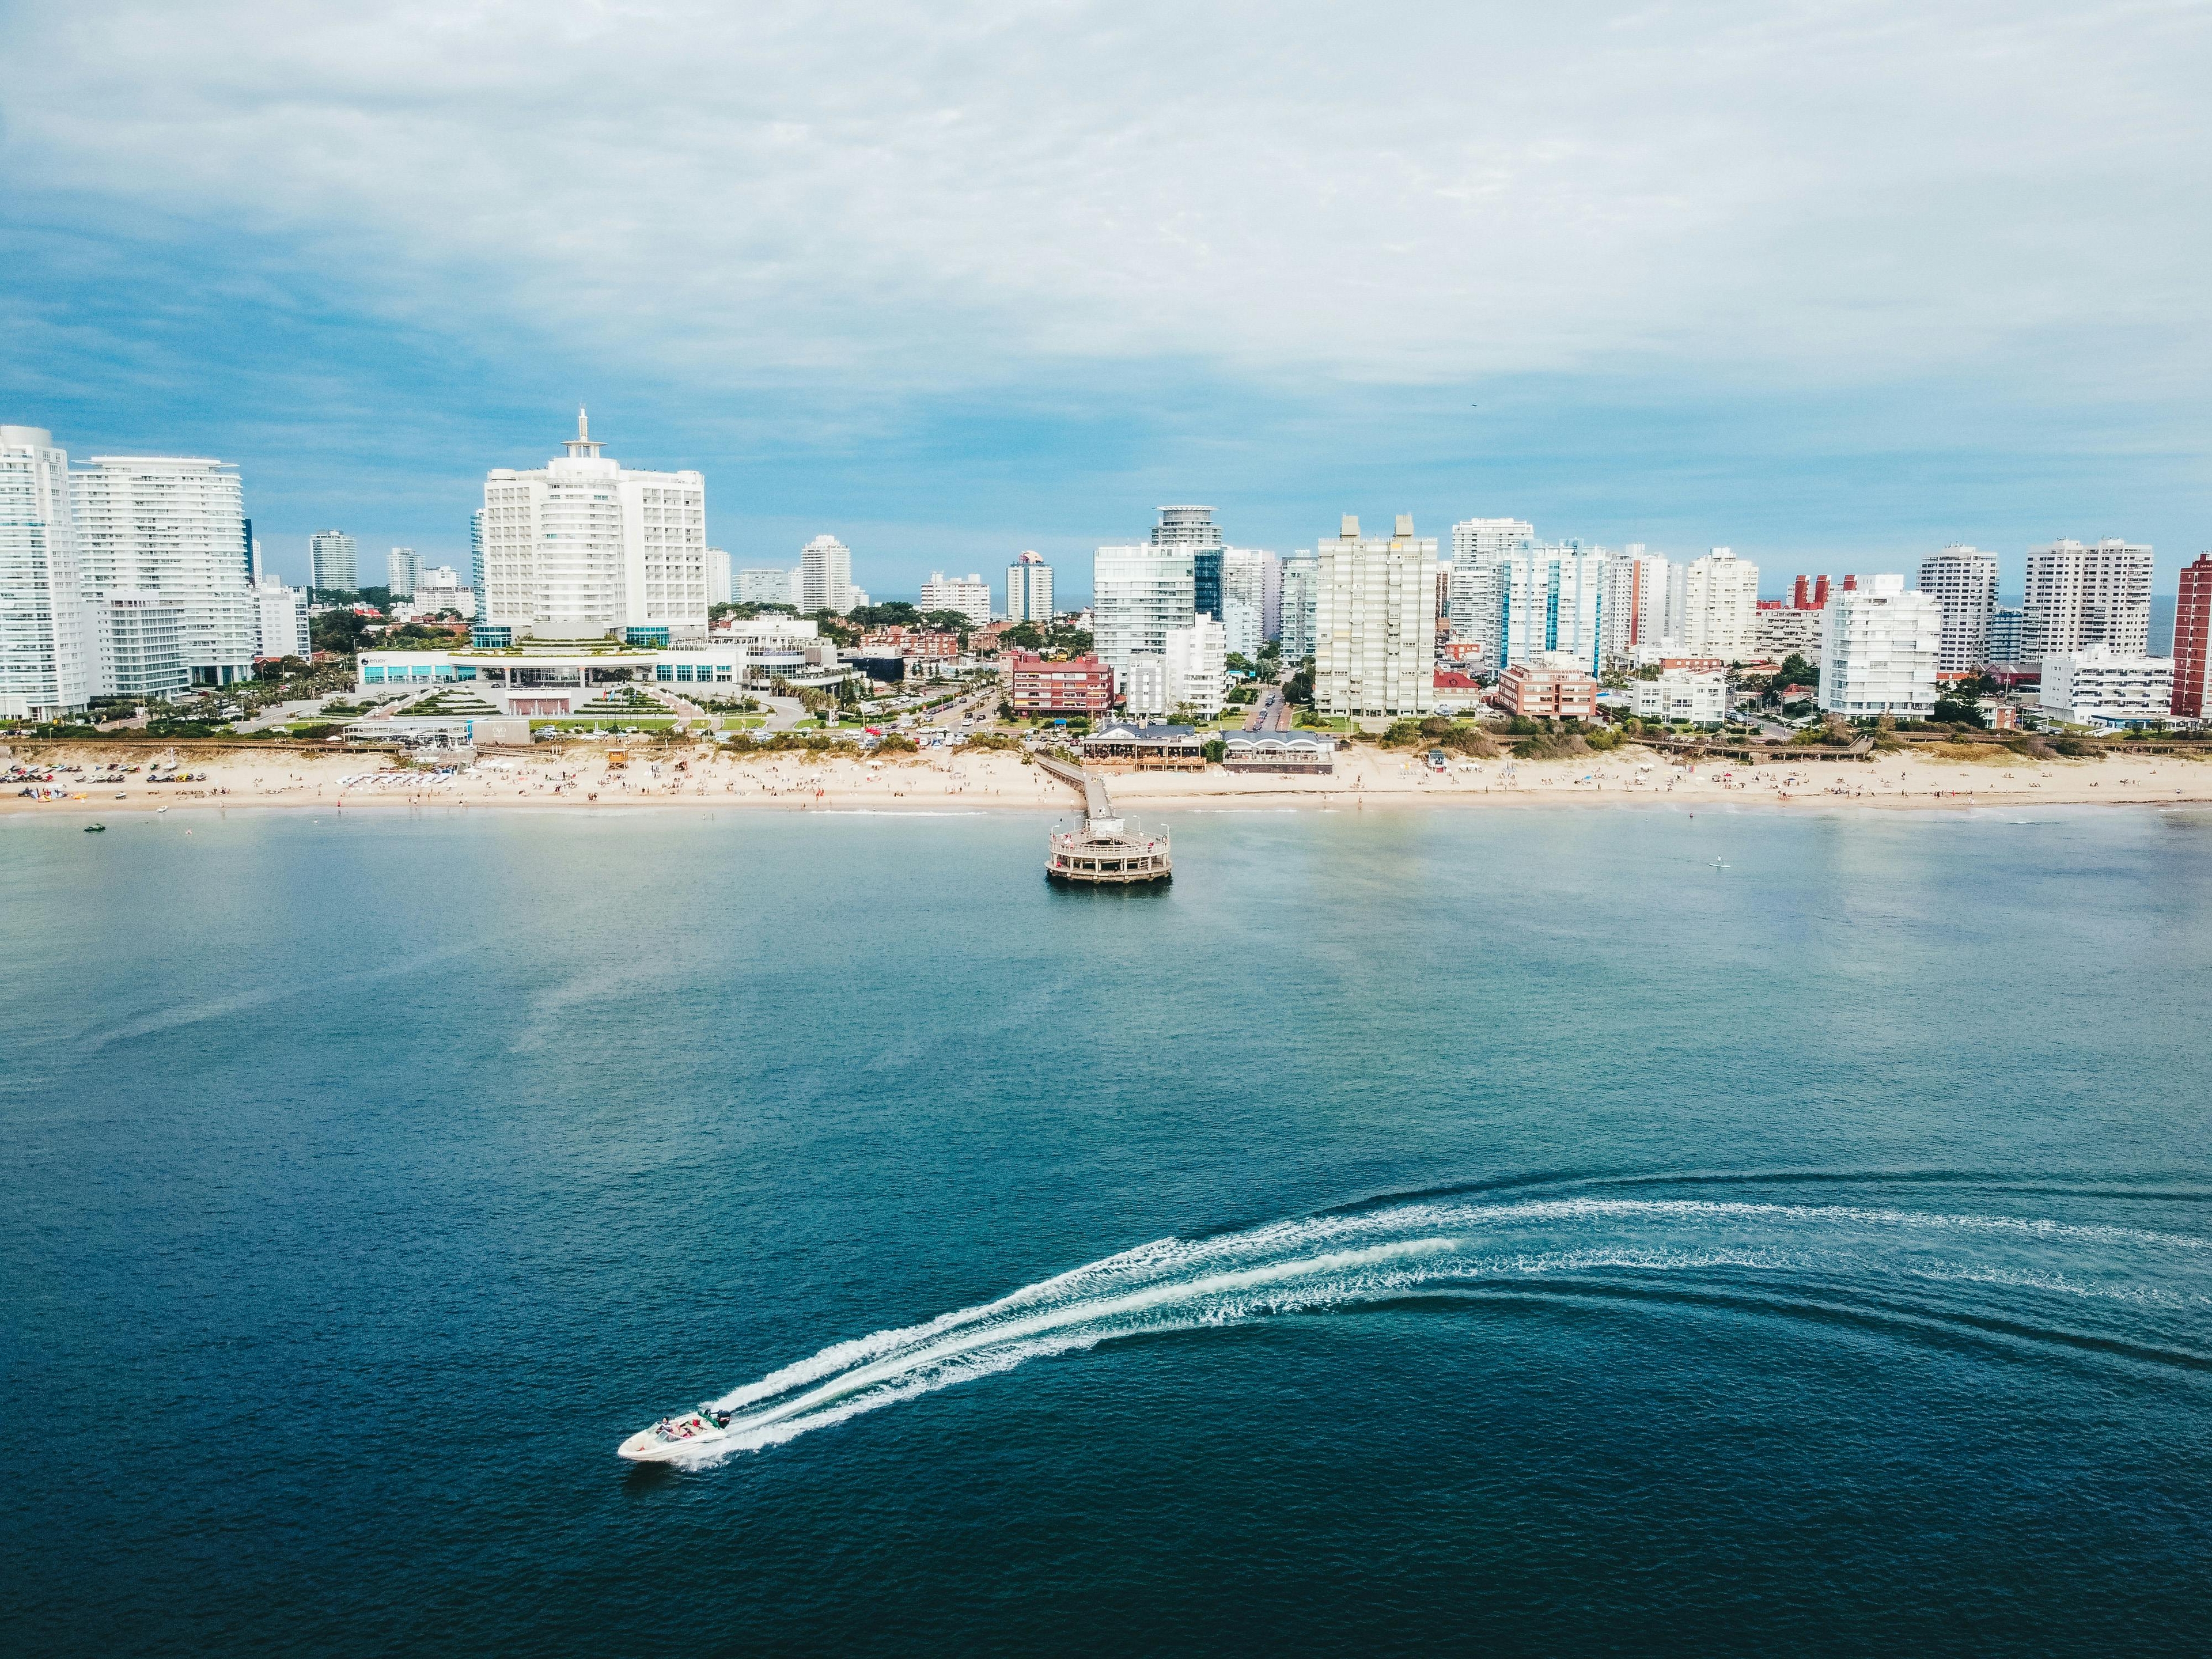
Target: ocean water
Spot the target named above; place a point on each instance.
(1527, 1230)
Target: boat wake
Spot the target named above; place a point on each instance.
(2120, 1292)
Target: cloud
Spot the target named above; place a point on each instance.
(959, 195)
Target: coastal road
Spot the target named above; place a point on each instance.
(1271, 714)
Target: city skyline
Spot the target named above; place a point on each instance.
(1724, 323)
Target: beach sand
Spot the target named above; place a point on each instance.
(941, 780)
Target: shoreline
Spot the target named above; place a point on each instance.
(959, 782)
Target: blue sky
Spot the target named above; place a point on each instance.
(1831, 284)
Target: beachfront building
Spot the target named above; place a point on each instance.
(1560, 690)
(1374, 623)
(1681, 694)
(1197, 664)
(969, 595)
(1878, 650)
(176, 526)
(2098, 686)
(579, 679)
(2079, 596)
(1713, 605)
(1473, 602)
(1301, 592)
(1040, 688)
(333, 561)
(280, 615)
(1029, 590)
(2192, 640)
(583, 545)
(48, 657)
(1137, 594)
(139, 636)
(1551, 605)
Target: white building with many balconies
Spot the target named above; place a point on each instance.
(969, 595)
(49, 664)
(2079, 596)
(176, 526)
(1878, 651)
(1964, 582)
(2098, 686)
(1137, 593)
(1374, 623)
(1713, 606)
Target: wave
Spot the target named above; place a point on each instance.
(2078, 1287)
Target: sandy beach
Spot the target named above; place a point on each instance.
(941, 780)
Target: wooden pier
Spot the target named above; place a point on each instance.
(1105, 852)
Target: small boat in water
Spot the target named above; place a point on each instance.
(94, 828)
(674, 1438)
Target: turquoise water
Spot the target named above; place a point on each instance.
(1413, 1229)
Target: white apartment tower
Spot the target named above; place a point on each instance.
(1251, 586)
(280, 615)
(1714, 605)
(969, 595)
(718, 577)
(1301, 592)
(1137, 594)
(477, 551)
(1485, 541)
(1374, 623)
(764, 587)
(1964, 582)
(1197, 667)
(2080, 596)
(1551, 606)
(1878, 650)
(583, 546)
(825, 576)
(1029, 590)
(1472, 607)
(175, 527)
(404, 568)
(1637, 588)
(47, 657)
(333, 561)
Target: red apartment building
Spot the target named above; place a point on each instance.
(2192, 638)
(1078, 685)
(1540, 692)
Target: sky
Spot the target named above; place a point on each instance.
(1834, 285)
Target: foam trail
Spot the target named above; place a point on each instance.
(2151, 1289)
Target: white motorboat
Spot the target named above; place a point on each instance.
(675, 1438)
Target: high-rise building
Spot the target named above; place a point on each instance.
(49, 663)
(1197, 664)
(1301, 592)
(1374, 623)
(2080, 596)
(1193, 528)
(1964, 582)
(1878, 651)
(1713, 605)
(1251, 584)
(1637, 586)
(332, 561)
(140, 638)
(402, 566)
(969, 595)
(477, 551)
(1029, 590)
(1473, 606)
(583, 545)
(2007, 634)
(2192, 639)
(1552, 606)
(825, 576)
(280, 615)
(763, 587)
(175, 527)
(1137, 594)
(1485, 541)
(718, 577)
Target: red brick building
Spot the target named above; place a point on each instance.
(1076, 685)
(2192, 639)
(1542, 693)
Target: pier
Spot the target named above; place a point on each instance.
(1105, 852)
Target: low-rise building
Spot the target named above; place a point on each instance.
(1146, 748)
(1681, 695)
(1039, 687)
(969, 595)
(1304, 752)
(2098, 686)
(1457, 693)
(1145, 687)
(1536, 691)
(280, 620)
(574, 679)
